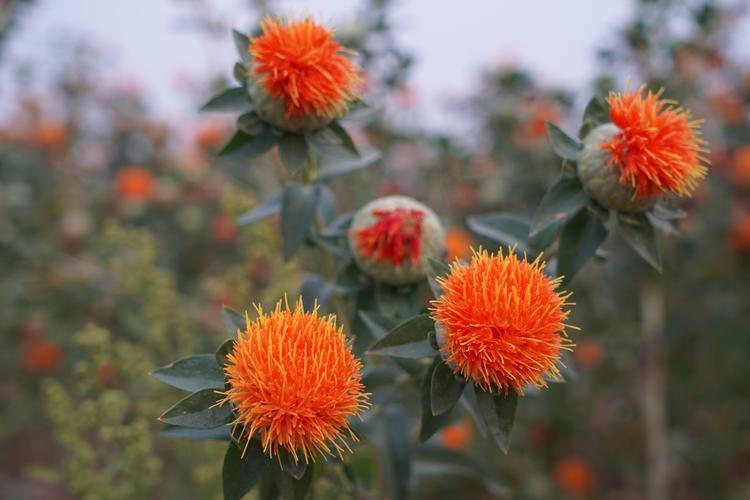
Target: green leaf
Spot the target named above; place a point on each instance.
(234, 321)
(224, 350)
(297, 215)
(293, 149)
(595, 114)
(562, 144)
(560, 202)
(407, 340)
(251, 123)
(445, 390)
(331, 168)
(217, 433)
(192, 373)
(344, 137)
(268, 208)
(360, 111)
(668, 213)
(389, 434)
(242, 44)
(640, 236)
(429, 423)
(435, 269)
(295, 468)
(239, 74)
(242, 144)
(504, 228)
(540, 241)
(239, 474)
(377, 325)
(233, 99)
(580, 239)
(498, 412)
(199, 411)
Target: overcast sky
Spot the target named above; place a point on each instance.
(453, 41)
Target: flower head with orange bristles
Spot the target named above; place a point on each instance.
(659, 148)
(301, 66)
(501, 321)
(294, 382)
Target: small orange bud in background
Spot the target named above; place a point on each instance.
(457, 243)
(740, 167)
(210, 134)
(134, 184)
(457, 436)
(41, 356)
(739, 230)
(50, 135)
(223, 228)
(589, 354)
(574, 476)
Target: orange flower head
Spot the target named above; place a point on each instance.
(457, 436)
(300, 64)
(574, 476)
(294, 382)
(501, 321)
(134, 184)
(659, 148)
(394, 237)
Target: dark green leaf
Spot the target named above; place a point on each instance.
(242, 43)
(564, 146)
(639, 234)
(544, 238)
(378, 325)
(239, 74)
(668, 213)
(326, 207)
(239, 473)
(332, 168)
(251, 124)
(504, 228)
(297, 215)
(445, 389)
(666, 226)
(217, 433)
(268, 208)
(268, 488)
(429, 423)
(241, 144)
(562, 200)
(192, 373)
(295, 468)
(199, 411)
(595, 114)
(233, 99)
(498, 412)
(294, 151)
(344, 137)
(390, 436)
(436, 269)
(234, 321)
(579, 240)
(224, 350)
(316, 290)
(469, 404)
(407, 340)
(360, 111)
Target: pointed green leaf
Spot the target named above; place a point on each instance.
(429, 423)
(217, 433)
(378, 325)
(242, 44)
(333, 167)
(344, 137)
(445, 390)
(504, 228)
(242, 144)
(562, 144)
(234, 321)
(498, 412)
(192, 373)
(224, 350)
(595, 114)
(239, 474)
(297, 215)
(436, 269)
(251, 124)
(295, 468)
(294, 153)
(640, 236)
(389, 434)
(268, 208)
(407, 340)
(199, 411)
(562, 200)
(233, 99)
(580, 239)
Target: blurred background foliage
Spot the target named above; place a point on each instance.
(118, 246)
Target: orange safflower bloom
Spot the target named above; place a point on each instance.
(457, 243)
(394, 237)
(457, 436)
(502, 321)
(659, 148)
(300, 64)
(41, 356)
(574, 476)
(294, 382)
(134, 183)
(740, 171)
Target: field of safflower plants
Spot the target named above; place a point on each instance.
(291, 294)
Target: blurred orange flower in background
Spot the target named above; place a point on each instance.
(41, 356)
(457, 243)
(574, 476)
(740, 166)
(210, 134)
(589, 354)
(49, 135)
(457, 436)
(223, 228)
(739, 229)
(134, 184)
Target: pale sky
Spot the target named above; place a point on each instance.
(453, 42)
